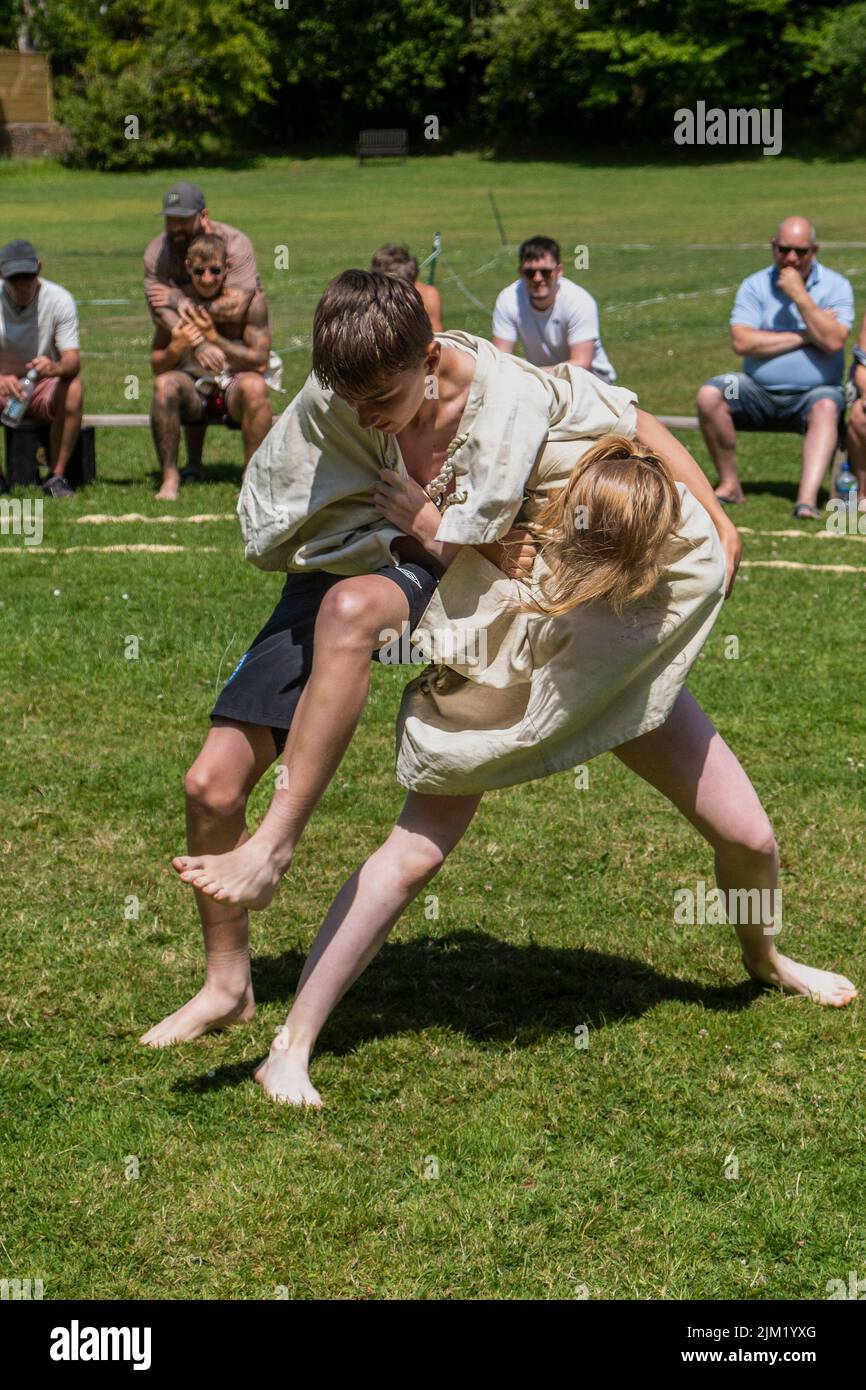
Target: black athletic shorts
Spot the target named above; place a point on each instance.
(265, 686)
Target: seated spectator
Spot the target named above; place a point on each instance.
(397, 260)
(789, 323)
(39, 332)
(856, 431)
(555, 319)
(167, 286)
(227, 383)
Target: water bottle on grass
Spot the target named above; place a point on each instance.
(846, 482)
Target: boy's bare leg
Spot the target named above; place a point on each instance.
(353, 616)
(175, 401)
(358, 921)
(690, 763)
(232, 759)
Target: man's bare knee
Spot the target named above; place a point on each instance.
(824, 411)
(710, 401)
(252, 389)
(856, 427)
(166, 391)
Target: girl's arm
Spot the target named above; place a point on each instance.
(686, 470)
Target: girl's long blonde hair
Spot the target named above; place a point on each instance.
(602, 535)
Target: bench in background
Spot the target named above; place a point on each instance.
(382, 144)
(26, 449)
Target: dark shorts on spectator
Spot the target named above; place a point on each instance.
(754, 408)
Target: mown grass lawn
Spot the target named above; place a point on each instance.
(557, 1167)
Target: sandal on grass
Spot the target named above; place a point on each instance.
(804, 512)
(730, 501)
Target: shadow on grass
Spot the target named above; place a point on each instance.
(213, 473)
(488, 990)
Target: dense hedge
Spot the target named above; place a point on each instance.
(216, 78)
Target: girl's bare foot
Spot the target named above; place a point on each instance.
(821, 986)
(246, 876)
(285, 1076)
(213, 1007)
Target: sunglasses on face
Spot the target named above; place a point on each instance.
(797, 250)
(530, 272)
(200, 271)
(23, 279)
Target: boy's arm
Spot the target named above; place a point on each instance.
(169, 349)
(654, 435)
(404, 503)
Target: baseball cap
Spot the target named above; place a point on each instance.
(18, 258)
(183, 200)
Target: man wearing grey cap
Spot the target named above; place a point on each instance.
(39, 333)
(169, 291)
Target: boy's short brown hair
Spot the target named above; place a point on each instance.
(208, 244)
(396, 260)
(368, 328)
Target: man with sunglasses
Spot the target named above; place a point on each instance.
(39, 332)
(555, 320)
(789, 323)
(231, 389)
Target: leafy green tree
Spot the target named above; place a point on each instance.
(837, 58)
(191, 74)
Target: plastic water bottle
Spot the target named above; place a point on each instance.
(17, 409)
(846, 482)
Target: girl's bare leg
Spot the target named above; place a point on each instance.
(690, 763)
(358, 921)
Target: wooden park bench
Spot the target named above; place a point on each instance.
(381, 144)
(23, 446)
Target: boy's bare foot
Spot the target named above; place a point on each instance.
(821, 986)
(208, 1010)
(286, 1078)
(246, 876)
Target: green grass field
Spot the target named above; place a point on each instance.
(558, 1167)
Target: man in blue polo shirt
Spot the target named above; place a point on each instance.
(789, 323)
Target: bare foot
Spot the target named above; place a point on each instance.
(821, 986)
(286, 1078)
(170, 487)
(208, 1010)
(246, 876)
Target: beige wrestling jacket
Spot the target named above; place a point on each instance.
(513, 695)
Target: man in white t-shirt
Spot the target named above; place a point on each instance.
(39, 332)
(555, 320)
